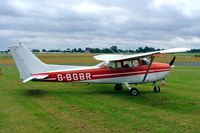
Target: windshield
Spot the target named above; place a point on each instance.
(145, 61)
(102, 64)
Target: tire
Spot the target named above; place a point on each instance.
(156, 89)
(134, 92)
(118, 87)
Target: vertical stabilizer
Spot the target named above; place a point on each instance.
(26, 62)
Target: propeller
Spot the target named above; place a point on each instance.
(172, 61)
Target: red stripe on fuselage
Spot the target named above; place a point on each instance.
(102, 73)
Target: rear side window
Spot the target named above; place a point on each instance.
(135, 63)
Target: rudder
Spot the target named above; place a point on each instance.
(26, 62)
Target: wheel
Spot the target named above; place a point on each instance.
(118, 87)
(156, 89)
(134, 92)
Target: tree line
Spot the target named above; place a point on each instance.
(113, 49)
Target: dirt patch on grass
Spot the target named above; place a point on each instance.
(6, 61)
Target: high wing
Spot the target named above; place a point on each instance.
(118, 57)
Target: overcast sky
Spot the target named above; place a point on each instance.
(61, 24)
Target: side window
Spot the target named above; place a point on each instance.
(118, 64)
(127, 64)
(135, 63)
(131, 63)
(114, 65)
(111, 65)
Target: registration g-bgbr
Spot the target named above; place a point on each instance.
(74, 76)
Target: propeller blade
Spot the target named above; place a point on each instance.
(172, 61)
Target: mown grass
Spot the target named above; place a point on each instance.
(60, 107)
(85, 59)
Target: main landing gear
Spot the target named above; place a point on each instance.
(134, 91)
(118, 87)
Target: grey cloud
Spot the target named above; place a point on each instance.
(92, 23)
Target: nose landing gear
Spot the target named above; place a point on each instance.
(156, 89)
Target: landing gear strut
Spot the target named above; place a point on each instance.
(132, 91)
(118, 87)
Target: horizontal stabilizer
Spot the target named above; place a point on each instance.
(35, 77)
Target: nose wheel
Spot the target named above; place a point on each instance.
(156, 89)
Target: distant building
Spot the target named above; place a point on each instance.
(67, 51)
(87, 50)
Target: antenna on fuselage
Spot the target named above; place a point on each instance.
(113, 51)
(118, 51)
(115, 48)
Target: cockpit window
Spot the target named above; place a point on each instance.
(144, 61)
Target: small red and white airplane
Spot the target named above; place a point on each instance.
(115, 69)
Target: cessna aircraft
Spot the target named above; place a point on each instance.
(118, 69)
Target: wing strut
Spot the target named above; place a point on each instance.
(145, 76)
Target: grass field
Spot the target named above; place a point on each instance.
(85, 59)
(59, 107)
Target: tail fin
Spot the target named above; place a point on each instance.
(26, 62)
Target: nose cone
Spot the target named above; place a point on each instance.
(157, 65)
